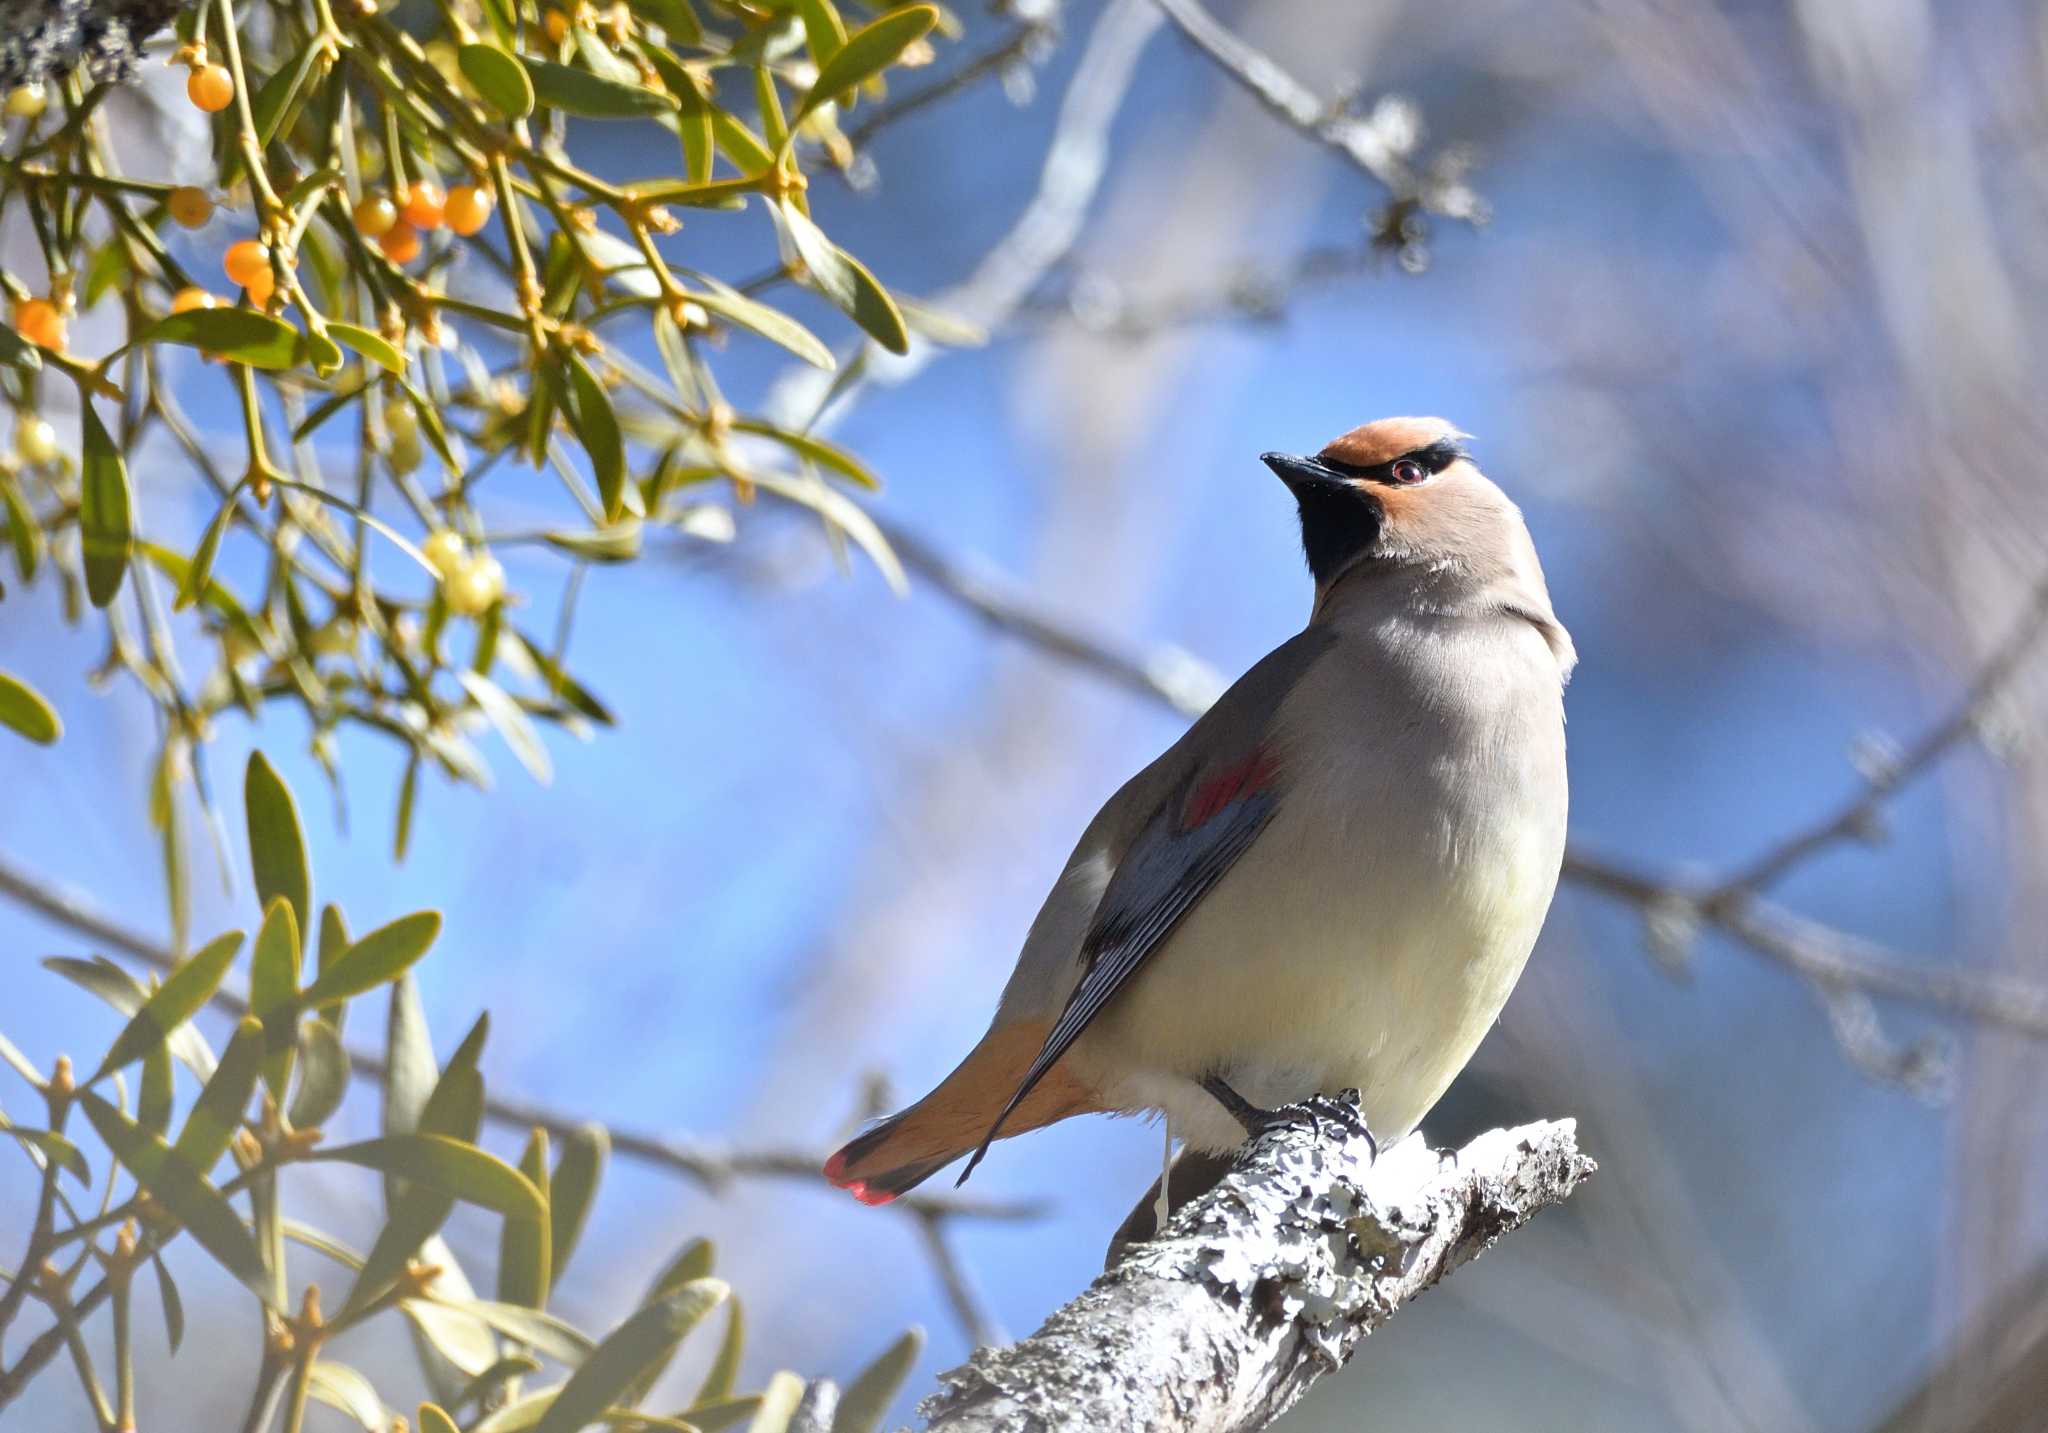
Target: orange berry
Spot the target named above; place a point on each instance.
(400, 243)
(38, 321)
(557, 26)
(262, 284)
(469, 209)
(211, 88)
(185, 300)
(375, 215)
(424, 204)
(244, 260)
(189, 206)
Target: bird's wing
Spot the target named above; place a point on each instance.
(1222, 783)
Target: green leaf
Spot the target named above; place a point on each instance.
(818, 451)
(23, 1066)
(339, 1386)
(619, 542)
(373, 346)
(22, 532)
(499, 78)
(738, 143)
(512, 724)
(725, 1365)
(240, 334)
(485, 1384)
(275, 102)
(18, 351)
(323, 1076)
(186, 1194)
(23, 708)
(842, 513)
(723, 1413)
(409, 1069)
(190, 985)
(523, 1265)
(868, 1397)
(867, 52)
(432, 1420)
(453, 1112)
(772, 324)
(215, 596)
(384, 954)
(448, 1165)
(647, 1337)
(824, 31)
(408, 797)
(173, 1305)
(221, 1104)
(573, 1189)
(106, 523)
(560, 684)
(273, 992)
(277, 849)
(200, 572)
(53, 1147)
(121, 990)
(153, 1100)
(598, 428)
(579, 92)
(779, 1401)
(688, 1265)
(333, 945)
(845, 280)
(445, 1338)
(542, 1332)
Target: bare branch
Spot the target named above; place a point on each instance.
(1262, 1285)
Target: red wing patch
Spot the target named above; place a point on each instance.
(1253, 772)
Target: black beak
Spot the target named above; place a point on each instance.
(1299, 473)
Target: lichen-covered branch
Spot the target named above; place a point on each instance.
(41, 39)
(1262, 1285)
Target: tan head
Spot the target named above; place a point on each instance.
(1404, 493)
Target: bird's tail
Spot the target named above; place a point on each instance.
(910, 1146)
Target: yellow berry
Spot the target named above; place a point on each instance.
(424, 204)
(477, 586)
(401, 243)
(38, 321)
(185, 300)
(375, 215)
(469, 209)
(190, 207)
(211, 88)
(244, 260)
(34, 439)
(446, 553)
(404, 454)
(27, 101)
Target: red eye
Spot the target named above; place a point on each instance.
(1407, 470)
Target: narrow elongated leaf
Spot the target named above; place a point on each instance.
(564, 687)
(23, 708)
(384, 954)
(687, 1265)
(448, 1165)
(373, 346)
(523, 1264)
(333, 945)
(647, 1337)
(173, 1305)
(867, 1398)
(323, 1076)
(579, 92)
(723, 1412)
(867, 52)
(512, 724)
(221, 1104)
(485, 1384)
(184, 990)
(409, 1068)
(725, 1364)
(200, 572)
(845, 280)
(106, 521)
(448, 1340)
(452, 1113)
(273, 992)
(598, 428)
(817, 450)
(778, 1404)
(573, 1189)
(182, 1191)
(538, 1330)
(23, 1066)
(339, 1386)
(153, 1099)
(499, 78)
(22, 532)
(433, 1420)
(772, 324)
(239, 334)
(126, 994)
(52, 1147)
(738, 143)
(824, 31)
(277, 848)
(18, 351)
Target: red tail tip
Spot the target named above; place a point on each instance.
(835, 1168)
(871, 1197)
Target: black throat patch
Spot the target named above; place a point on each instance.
(1338, 523)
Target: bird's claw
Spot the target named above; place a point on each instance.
(1342, 1111)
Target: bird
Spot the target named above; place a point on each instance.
(1332, 881)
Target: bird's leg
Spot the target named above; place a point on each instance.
(1341, 1112)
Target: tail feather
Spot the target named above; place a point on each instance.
(910, 1146)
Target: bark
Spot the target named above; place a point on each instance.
(46, 39)
(1262, 1285)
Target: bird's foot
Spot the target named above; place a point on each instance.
(1340, 1110)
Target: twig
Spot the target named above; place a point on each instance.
(1262, 1285)
(1022, 45)
(968, 1311)
(704, 1164)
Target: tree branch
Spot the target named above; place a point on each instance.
(1262, 1285)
